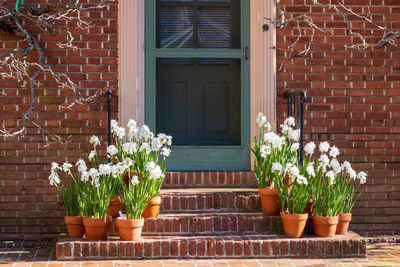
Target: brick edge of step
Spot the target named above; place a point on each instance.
(350, 245)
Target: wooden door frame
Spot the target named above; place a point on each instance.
(152, 53)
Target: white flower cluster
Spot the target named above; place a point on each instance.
(262, 122)
(154, 170)
(333, 164)
(94, 140)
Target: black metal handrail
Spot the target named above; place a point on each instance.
(295, 109)
(109, 96)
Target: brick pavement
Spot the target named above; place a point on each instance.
(377, 255)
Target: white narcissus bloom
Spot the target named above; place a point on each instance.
(289, 121)
(133, 133)
(261, 120)
(131, 124)
(145, 132)
(135, 180)
(324, 162)
(128, 162)
(346, 166)
(300, 179)
(120, 132)
(324, 147)
(154, 170)
(129, 147)
(92, 154)
(145, 147)
(309, 148)
(284, 129)
(94, 140)
(93, 173)
(310, 169)
(352, 173)
(85, 176)
(114, 125)
(269, 137)
(294, 134)
(334, 152)
(105, 169)
(277, 142)
(265, 150)
(331, 175)
(156, 144)
(66, 167)
(54, 166)
(54, 179)
(165, 151)
(335, 165)
(362, 176)
(111, 151)
(276, 167)
(81, 165)
(292, 171)
(155, 173)
(295, 147)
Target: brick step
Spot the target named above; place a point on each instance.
(210, 179)
(209, 199)
(214, 246)
(211, 223)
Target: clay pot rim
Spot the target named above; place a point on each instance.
(294, 217)
(73, 219)
(129, 223)
(155, 200)
(325, 220)
(95, 222)
(344, 217)
(268, 191)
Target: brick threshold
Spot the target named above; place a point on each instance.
(350, 245)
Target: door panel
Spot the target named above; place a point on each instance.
(209, 94)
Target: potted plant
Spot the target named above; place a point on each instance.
(270, 148)
(69, 196)
(294, 197)
(113, 181)
(350, 192)
(326, 194)
(148, 154)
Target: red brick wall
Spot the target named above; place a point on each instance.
(28, 205)
(353, 101)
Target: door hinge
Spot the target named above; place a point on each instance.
(246, 53)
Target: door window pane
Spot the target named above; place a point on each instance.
(199, 101)
(198, 24)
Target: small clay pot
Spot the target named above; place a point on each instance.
(270, 203)
(294, 224)
(129, 230)
(325, 226)
(75, 226)
(153, 208)
(96, 229)
(114, 207)
(343, 224)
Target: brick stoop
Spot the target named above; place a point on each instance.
(212, 246)
(197, 223)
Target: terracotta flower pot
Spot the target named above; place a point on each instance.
(114, 207)
(96, 229)
(310, 207)
(153, 208)
(270, 203)
(325, 226)
(129, 230)
(294, 224)
(75, 226)
(343, 224)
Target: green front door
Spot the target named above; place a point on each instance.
(197, 81)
